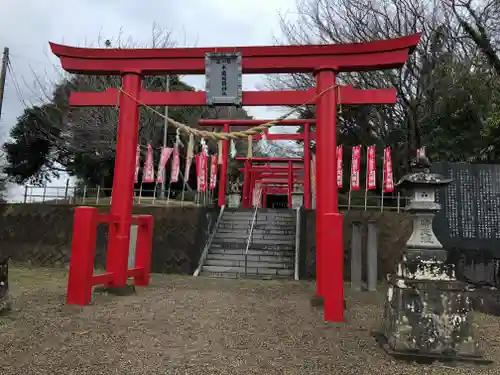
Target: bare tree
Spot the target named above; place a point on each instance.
(90, 133)
(418, 86)
(480, 20)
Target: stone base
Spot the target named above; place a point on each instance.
(421, 357)
(429, 318)
(123, 291)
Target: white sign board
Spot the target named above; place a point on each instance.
(223, 78)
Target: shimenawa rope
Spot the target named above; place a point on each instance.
(232, 135)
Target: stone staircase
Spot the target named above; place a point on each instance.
(271, 253)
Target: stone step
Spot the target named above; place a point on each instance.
(284, 213)
(265, 239)
(259, 231)
(235, 275)
(253, 252)
(250, 270)
(259, 242)
(239, 209)
(261, 226)
(250, 264)
(278, 220)
(275, 218)
(256, 236)
(253, 246)
(254, 257)
(260, 214)
(257, 222)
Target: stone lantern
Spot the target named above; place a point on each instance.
(427, 310)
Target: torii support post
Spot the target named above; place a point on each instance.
(307, 166)
(290, 184)
(123, 186)
(246, 184)
(329, 230)
(324, 60)
(223, 169)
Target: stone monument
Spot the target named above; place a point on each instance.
(428, 312)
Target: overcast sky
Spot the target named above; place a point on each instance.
(26, 27)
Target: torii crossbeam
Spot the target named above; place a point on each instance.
(324, 61)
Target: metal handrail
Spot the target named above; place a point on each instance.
(251, 230)
(297, 245)
(209, 242)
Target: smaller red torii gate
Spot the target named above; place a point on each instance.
(284, 181)
(252, 172)
(274, 187)
(306, 136)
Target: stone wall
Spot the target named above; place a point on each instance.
(479, 266)
(394, 229)
(40, 234)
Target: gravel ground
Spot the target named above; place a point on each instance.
(187, 325)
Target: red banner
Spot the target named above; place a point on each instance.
(203, 174)
(176, 165)
(187, 169)
(340, 174)
(355, 166)
(371, 171)
(213, 172)
(201, 171)
(137, 164)
(388, 176)
(198, 172)
(149, 173)
(165, 155)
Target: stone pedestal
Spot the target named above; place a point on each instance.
(427, 311)
(429, 318)
(234, 200)
(297, 200)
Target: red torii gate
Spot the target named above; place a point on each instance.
(251, 172)
(325, 61)
(284, 178)
(305, 136)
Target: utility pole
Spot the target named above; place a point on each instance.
(165, 132)
(3, 73)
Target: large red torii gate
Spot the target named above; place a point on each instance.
(325, 61)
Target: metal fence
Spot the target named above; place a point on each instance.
(102, 196)
(82, 195)
(369, 202)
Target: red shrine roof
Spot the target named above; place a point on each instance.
(404, 42)
(379, 54)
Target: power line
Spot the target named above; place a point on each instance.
(3, 73)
